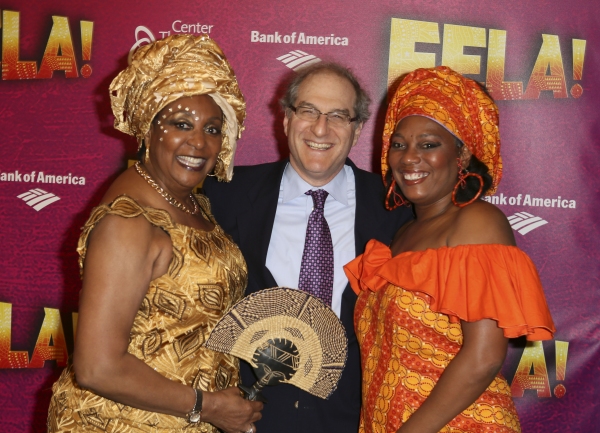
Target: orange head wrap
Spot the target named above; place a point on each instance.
(457, 103)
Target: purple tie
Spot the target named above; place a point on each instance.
(316, 269)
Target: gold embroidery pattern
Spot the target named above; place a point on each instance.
(223, 377)
(206, 276)
(151, 343)
(145, 308)
(211, 295)
(188, 344)
(169, 303)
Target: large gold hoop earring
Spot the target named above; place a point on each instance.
(462, 182)
(399, 200)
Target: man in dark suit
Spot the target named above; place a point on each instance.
(266, 210)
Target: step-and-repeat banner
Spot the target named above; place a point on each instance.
(59, 152)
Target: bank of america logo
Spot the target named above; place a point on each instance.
(38, 198)
(524, 222)
(297, 59)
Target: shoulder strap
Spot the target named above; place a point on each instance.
(204, 204)
(126, 207)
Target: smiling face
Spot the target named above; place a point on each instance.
(185, 140)
(422, 157)
(319, 150)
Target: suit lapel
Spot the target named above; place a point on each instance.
(363, 204)
(257, 224)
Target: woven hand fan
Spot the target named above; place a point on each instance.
(288, 336)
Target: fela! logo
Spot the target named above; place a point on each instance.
(59, 54)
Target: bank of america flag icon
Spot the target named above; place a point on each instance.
(297, 59)
(38, 198)
(524, 222)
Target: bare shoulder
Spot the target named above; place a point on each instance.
(128, 238)
(132, 231)
(118, 234)
(481, 223)
(127, 183)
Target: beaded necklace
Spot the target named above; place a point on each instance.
(168, 197)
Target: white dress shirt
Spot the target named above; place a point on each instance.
(286, 245)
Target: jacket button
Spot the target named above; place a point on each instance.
(296, 405)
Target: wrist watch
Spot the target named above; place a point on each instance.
(196, 413)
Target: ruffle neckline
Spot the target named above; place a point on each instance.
(466, 282)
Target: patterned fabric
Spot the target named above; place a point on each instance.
(207, 274)
(457, 103)
(316, 269)
(172, 68)
(407, 321)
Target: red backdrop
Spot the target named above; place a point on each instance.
(59, 152)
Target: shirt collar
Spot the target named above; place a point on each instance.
(292, 186)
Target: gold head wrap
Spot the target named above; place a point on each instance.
(457, 103)
(169, 69)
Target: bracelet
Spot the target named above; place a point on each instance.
(196, 414)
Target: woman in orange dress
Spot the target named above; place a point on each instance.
(436, 308)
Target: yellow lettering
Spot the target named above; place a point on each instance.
(403, 57)
(60, 39)
(548, 57)
(494, 81)
(578, 58)
(50, 332)
(8, 358)
(533, 355)
(456, 38)
(12, 67)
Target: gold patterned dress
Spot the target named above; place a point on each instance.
(206, 276)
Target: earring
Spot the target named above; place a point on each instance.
(399, 200)
(147, 156)
(462, 182)
(462, 174)
(218, 168)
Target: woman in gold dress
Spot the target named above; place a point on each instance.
(158, 272)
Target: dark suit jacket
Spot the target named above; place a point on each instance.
(245, 208)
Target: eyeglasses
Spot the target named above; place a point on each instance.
(311, 114)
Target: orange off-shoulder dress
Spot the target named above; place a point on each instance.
(407, 321)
